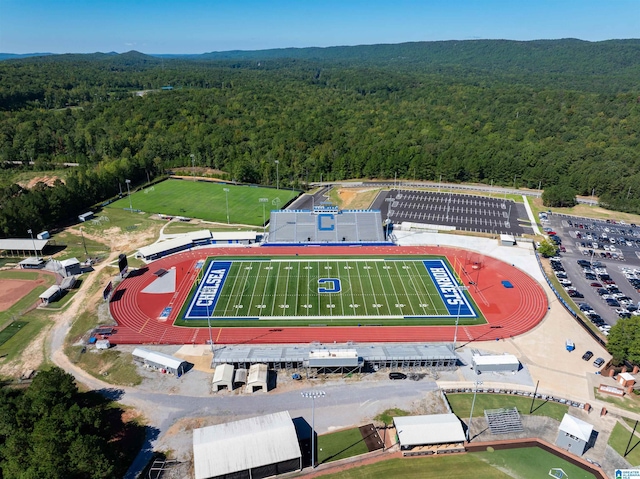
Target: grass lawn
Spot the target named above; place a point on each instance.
(25, 302)
(630, 402)
(11, 330)
(111, 366)
(619, 440)
(461, 405)
(387, 416)
(525, 463)
(35, 321)
(207, 201)
(339, 445)
(74, 247)
(26, 275)
(530, 462)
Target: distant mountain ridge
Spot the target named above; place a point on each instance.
(566, 56)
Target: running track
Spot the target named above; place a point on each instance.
(510, 312)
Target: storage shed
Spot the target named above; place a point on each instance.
(240, 378)
(160, 361)
(223, 377)
(32, 263)
(257, 379)
(495, 363)
(51, 294)
(85, 216)
(507, 240)
(574, 434)
(251, 448)
(429, 434)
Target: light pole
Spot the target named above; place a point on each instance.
(193, 164)
(209, 325)
(389, 212)
(313, 395)
(277, 175)
(264, 217)
(83, 243)
(129, 195)
(226, 196)
(461, 290)
(35, 250)
(473, 403)
(276, 203)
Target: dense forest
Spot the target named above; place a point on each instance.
(52, 430)
(558, 113)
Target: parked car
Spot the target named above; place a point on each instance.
(598, 362)
(397, 375)
(588, 355)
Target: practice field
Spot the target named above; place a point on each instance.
(207, 201)
(399, 288)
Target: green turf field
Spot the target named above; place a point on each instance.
(207, 201)
(324, 290)
(523, 463)
(10, 331)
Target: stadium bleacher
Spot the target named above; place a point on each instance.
(324, 226)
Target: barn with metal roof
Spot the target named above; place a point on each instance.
(254, 448)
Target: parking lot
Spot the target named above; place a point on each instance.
(465, 212)
(601, 262)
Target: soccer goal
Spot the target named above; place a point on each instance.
(558, 473)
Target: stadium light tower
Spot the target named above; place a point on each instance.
(226, 197)
(30, 231)
(128, 182)
(473, 403)
(193, 164)
(264, 217)
(277, 175)
(461, 290)
(313, 395)
(209, 324)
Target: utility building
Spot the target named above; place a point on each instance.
(160, 361)
(252, 448)
(495, 363)
(335, 360)
(574, 435)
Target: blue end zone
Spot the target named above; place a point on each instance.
(204, 300)
(447, 285)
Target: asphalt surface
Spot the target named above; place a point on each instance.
(575, 251)
(465, 212)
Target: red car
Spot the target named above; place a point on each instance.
(596, 285)
(563, 249)
(551, 233)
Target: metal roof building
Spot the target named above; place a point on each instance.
(495, 363)
(223, 377)
(372, 356)
(251, 448)
(423, 434)
(23, 247)
(32, 263)
(51, 294)
(161, 361)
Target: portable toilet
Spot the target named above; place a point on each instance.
(570, 346)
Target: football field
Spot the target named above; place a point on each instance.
(362, 289)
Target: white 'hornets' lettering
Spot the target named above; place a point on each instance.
(448, 288)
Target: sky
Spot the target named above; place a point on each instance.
(199, 26)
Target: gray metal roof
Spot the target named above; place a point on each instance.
(299, 353)
(431, 429)
(241, 445)
(22, 244)
(165, 360)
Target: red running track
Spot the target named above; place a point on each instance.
(509, 312)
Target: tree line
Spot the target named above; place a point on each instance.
(415, 111)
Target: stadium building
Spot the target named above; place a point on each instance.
(326, 226)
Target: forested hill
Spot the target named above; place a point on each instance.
(560, 112)
(568, 56)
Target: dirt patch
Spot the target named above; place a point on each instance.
(13, 290)
(47, 180)
(357, 198)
